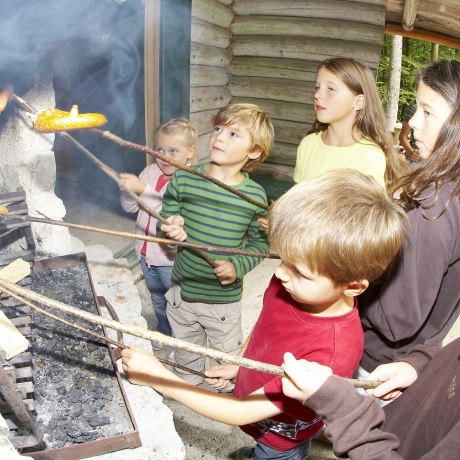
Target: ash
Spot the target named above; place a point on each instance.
(78, 396)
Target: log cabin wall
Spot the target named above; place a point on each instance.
(267, 52)
(209, 61)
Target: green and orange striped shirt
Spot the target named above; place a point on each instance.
(216, 217)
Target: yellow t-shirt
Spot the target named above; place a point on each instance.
(314, 157)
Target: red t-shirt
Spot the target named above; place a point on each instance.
(335, 341)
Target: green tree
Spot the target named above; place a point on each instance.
(416, 54)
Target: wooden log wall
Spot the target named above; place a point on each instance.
(209, 61)
(267, 52)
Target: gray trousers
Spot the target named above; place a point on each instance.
(216, 326)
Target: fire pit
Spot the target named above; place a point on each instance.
(80, 402)
(66, 386)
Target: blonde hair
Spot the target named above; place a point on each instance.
(341, 225)
(256, 121)
(178, 127)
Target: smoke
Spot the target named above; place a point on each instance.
(92, 48)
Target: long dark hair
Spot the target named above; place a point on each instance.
(370, 121)
(443, 165)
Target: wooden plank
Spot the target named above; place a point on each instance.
(213, 12)
(27, 254)
(307, 27)
(365, 12)
(206, 98)
(283, 153)
(304, 48)
(290, 131)
(277, 171)
(209, 55)
(12, 342)
(292, 111)
(202, 148)
(203, 121)
(291, 69)
(205, 33)
(272, 88)
(15, 271)
(201, 75)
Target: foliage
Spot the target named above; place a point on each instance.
(416, 54)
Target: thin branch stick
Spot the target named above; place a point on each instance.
(111, 173)
(166, 159)
(154, 239)
(95, 334)
(157, 336)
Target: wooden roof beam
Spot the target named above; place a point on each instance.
(409, 14)
(423, 34)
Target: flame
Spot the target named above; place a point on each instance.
(5, 95)
(74, 111)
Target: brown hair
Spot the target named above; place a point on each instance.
(341, 225)
(370, 120)
(256, 121)
(443, 165)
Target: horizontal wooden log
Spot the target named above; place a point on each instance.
(291, 69)
(208, 97)
(202, 148)
(225, 2)
(209, 55)
(292, 111)
(368, 13)
(201, 75)
(203, 121)
(205, 33)
(307, 27)
(425, 35)
(213, 12)
(272, 88)
(290, 131)
(283, 153)
(277, 171)
(311, 49)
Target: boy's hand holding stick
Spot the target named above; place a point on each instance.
(14, 290)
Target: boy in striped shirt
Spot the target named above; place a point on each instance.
(204, 303)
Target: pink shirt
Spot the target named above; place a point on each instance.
(155, 253)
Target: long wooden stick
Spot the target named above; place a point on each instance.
(111, 173)
(95, 334)
(166, 159)
(154, 336)
(155, 239)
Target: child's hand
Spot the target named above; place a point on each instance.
(225, 272)
(131, 182)
(263, 223)
(140, 365)
(304, 377)
(220, 376)
(175, 228)
(395, 376)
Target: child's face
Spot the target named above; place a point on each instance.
(432, 111)
(173, 147)
(231, 146)
(308, 288)
(334, 102)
